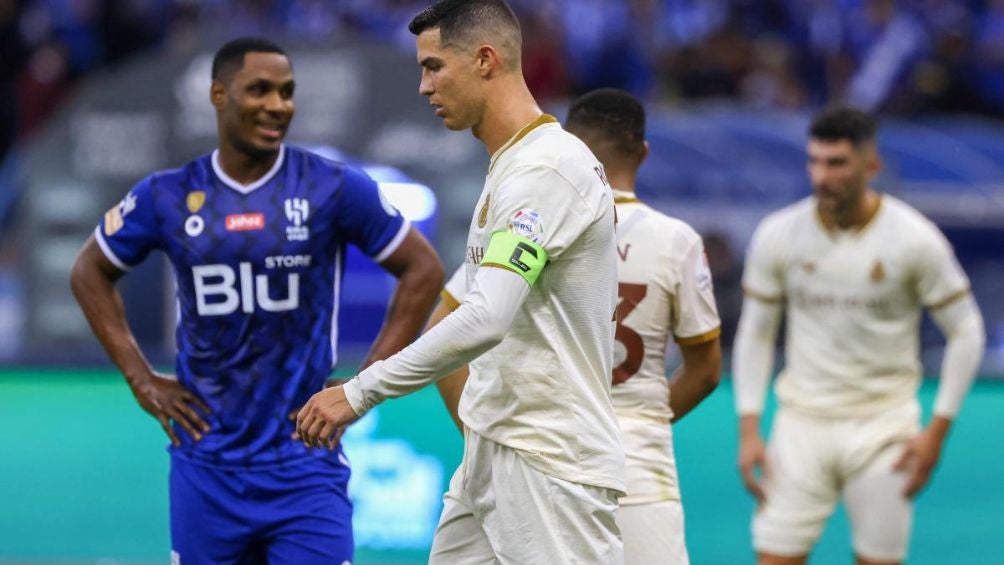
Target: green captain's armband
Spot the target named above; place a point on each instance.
(516, 253)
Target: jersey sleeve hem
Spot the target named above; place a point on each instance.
(699, 339)
(951, 298)
(107, 250)
(396, 242)
(762, 297)
(451, 301)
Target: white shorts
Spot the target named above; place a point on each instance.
(501, 510)
(812, 462)
(653, 533)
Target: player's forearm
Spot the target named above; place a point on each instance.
(413, 299)
(749, 425)
(479, 324)
(753, 354)
(102, 307)
(962, 325)
(696, 378)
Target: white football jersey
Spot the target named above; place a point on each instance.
(853, 301)
(665, 293)
(545, 389)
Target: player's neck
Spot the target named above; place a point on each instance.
(623, 181)
(855, 217)
(242, 167)
(508, 110)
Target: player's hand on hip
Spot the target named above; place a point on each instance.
(753, 457)
(167, 400)
(323, 418)
(919, 460)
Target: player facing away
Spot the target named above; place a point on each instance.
(852, 269)
(256, 233)
(666, 293)
(543, 463)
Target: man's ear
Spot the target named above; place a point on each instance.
(644, 152)
(488, 60)
(217, 94)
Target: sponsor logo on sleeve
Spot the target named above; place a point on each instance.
(526, 223)
(245, 222)
(115, 218)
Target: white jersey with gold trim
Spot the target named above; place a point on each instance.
(545, 389)
(853, 301)
(665, 292)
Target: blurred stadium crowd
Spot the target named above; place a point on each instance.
(895, 57)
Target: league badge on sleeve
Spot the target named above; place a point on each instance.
(526, 223)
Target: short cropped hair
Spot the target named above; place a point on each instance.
(463, 22)
(230, 58)
(610, 118)
(836, 123)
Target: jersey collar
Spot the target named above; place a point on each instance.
(541, 120)
(624, 196)
(247, 188)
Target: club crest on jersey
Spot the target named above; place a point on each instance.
(878, 272)
(115, 218)
(245, 222)
(483, 214)
(195, 200)
(526, 223)
(297, 212)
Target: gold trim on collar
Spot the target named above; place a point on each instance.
(541, 120)
(624, 196)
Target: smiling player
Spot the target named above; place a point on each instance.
(256, 233)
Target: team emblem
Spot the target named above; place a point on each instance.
(483, 214)
(878, 272)
(809, 267)
(297, 212)
(195, 200)
(526, 223)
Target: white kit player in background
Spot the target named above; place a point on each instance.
(543, 463)
(666, 293)
(852, 269)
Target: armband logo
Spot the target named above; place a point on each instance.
(517, 255)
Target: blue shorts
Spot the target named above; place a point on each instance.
(294, 514)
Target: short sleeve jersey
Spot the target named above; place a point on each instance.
(545, 389)
(853, 301)
(258, 271)
(666, 292)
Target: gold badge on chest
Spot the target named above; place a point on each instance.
(483, 214)
(878, 272)
(195, 200)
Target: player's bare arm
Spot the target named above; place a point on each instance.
(419, 274)
(93, 281)
(696, 378)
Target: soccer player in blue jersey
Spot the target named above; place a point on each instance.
(256, 232)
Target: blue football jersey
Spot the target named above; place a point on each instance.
(258, 271)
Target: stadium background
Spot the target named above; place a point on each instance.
(96, 93)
